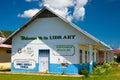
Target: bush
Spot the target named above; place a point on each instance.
(63, 72)
(98, 70)
(118, 58)
(85, 72)
(107, 66)
(112, 63)
(102, 68)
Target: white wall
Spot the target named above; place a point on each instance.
(47, 27)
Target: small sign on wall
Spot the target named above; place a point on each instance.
(64, 50)
(24, 64)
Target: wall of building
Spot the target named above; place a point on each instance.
(84, 58)
(5, 55)
(47, 33)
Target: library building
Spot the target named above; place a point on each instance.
(50, 43)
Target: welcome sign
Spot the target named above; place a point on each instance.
(54, 37)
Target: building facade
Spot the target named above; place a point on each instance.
(5, 50)
(49, 43)
(5, 54)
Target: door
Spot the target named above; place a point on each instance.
(43, 60)
(101, 57)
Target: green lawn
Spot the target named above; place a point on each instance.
(113, 74)
(34, 77)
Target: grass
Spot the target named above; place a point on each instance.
(113, 74)
(35, 77)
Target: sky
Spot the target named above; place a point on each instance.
(100, 18)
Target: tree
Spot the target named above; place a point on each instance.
(118, 58)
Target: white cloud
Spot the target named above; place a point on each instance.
(79, 10)
(79, 13)
(61, 7)
(28, 0)
(58, 3)
(28, 13)
(31, 0)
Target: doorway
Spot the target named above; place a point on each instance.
(44, 60)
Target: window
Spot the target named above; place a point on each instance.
(85, 56)
(80, 56)
(8, 51)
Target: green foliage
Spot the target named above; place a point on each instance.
(112, 74)
(98, 70)
(7, 33)
(85, 72)
(112, 63)
(102, 68)
(63, 72)
(118, 58)
(107, 66)
(46, 71)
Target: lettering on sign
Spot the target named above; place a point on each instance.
(28, 38)
(24, 64)
(54, 37)
(62, 37)
(64, 50)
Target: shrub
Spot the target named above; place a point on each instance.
(63, 72)
(107, 66)
(98, 70)
(112, 63)
(118, 58)
(85, 72)
(102, 68)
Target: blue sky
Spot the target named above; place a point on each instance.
(101, 18)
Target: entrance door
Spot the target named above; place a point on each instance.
(101, 57)
(43, 60)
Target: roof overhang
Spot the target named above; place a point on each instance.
(5, 46)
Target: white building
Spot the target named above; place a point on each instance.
(50, 43)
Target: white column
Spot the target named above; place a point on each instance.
(108, 57)
(83, 56)
(90, 58)
(112, 57)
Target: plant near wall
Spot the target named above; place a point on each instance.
(1, 67)
(63, 72)
(101, 69)
(118, 58)
(114, 64)
(98, 70)
(107, 66)
(85, 72)
(46, 71)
